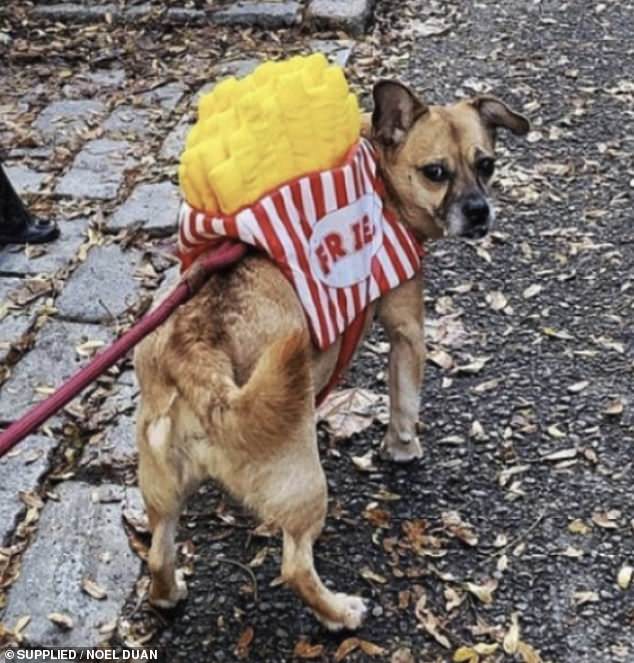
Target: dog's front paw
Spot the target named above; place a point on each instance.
(402, 448)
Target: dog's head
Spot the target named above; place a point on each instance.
(437, 161)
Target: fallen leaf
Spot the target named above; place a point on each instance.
(60, 619)
(432, 27)
(606, 519)
(93, 589)
(512, 636)
(402, 655)
(244, 643)
(562, 454)
(578, 386)
(624, 577)
(581, 598)
(430, 622)
(303, 649)
(532, 291)
(577, 526)
(484, 592)
(496, 300)
(364, 463)
(350, 411)
(369, 574)
(614, 407)
(346, 647)
(453, 523)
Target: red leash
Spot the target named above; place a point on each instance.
(226, 254)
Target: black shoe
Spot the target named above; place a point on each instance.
(34, 231)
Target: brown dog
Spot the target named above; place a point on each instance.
(228, 383)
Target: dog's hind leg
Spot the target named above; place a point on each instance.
(305, 496)
(164, 492)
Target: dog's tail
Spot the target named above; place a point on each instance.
(266, 409)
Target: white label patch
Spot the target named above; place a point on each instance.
(344, 242)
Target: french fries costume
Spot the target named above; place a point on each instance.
(276, 160)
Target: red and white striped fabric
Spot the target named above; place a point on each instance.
(329, 234)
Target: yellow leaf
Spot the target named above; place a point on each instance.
(465, 655)
(512, 637)
(578, 527)
(528, 654)
(485, 650)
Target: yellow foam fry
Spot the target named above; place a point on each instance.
(282, 121)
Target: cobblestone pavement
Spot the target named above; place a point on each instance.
(527, 399)
(98, 150)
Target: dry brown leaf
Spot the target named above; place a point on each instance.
(93, 589)
(606, 519)
(244, 642)
(350, 411)
(60, 619)
(402, 655)
(453, 523)
(303, 649)
(345, 648)
(369, 574)
(370, 648)
(430, 622)
(614, 407)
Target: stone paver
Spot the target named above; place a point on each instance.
(165, 97)
(25, 180)
(117, 448)
(12, 328)
(49, 257)
(127, 120)
(153, 207)
(97, 172)
(352, 16)
(106, 77)
(174, 144)
(61, 119)
(80, 537)
(337, 50)
(21, 470)
(102, 287)
(260, 13)
(53, 359)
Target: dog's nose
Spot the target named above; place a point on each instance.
(476, 211)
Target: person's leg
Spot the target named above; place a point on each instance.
(17, 226)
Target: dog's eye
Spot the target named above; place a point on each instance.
(435, 172)
(486, 167)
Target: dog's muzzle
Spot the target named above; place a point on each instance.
(476, 212)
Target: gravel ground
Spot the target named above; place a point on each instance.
(533, 448)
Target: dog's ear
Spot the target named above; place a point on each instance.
(396, 108)
(496, 113)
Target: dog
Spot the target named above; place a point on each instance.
(228, 382)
